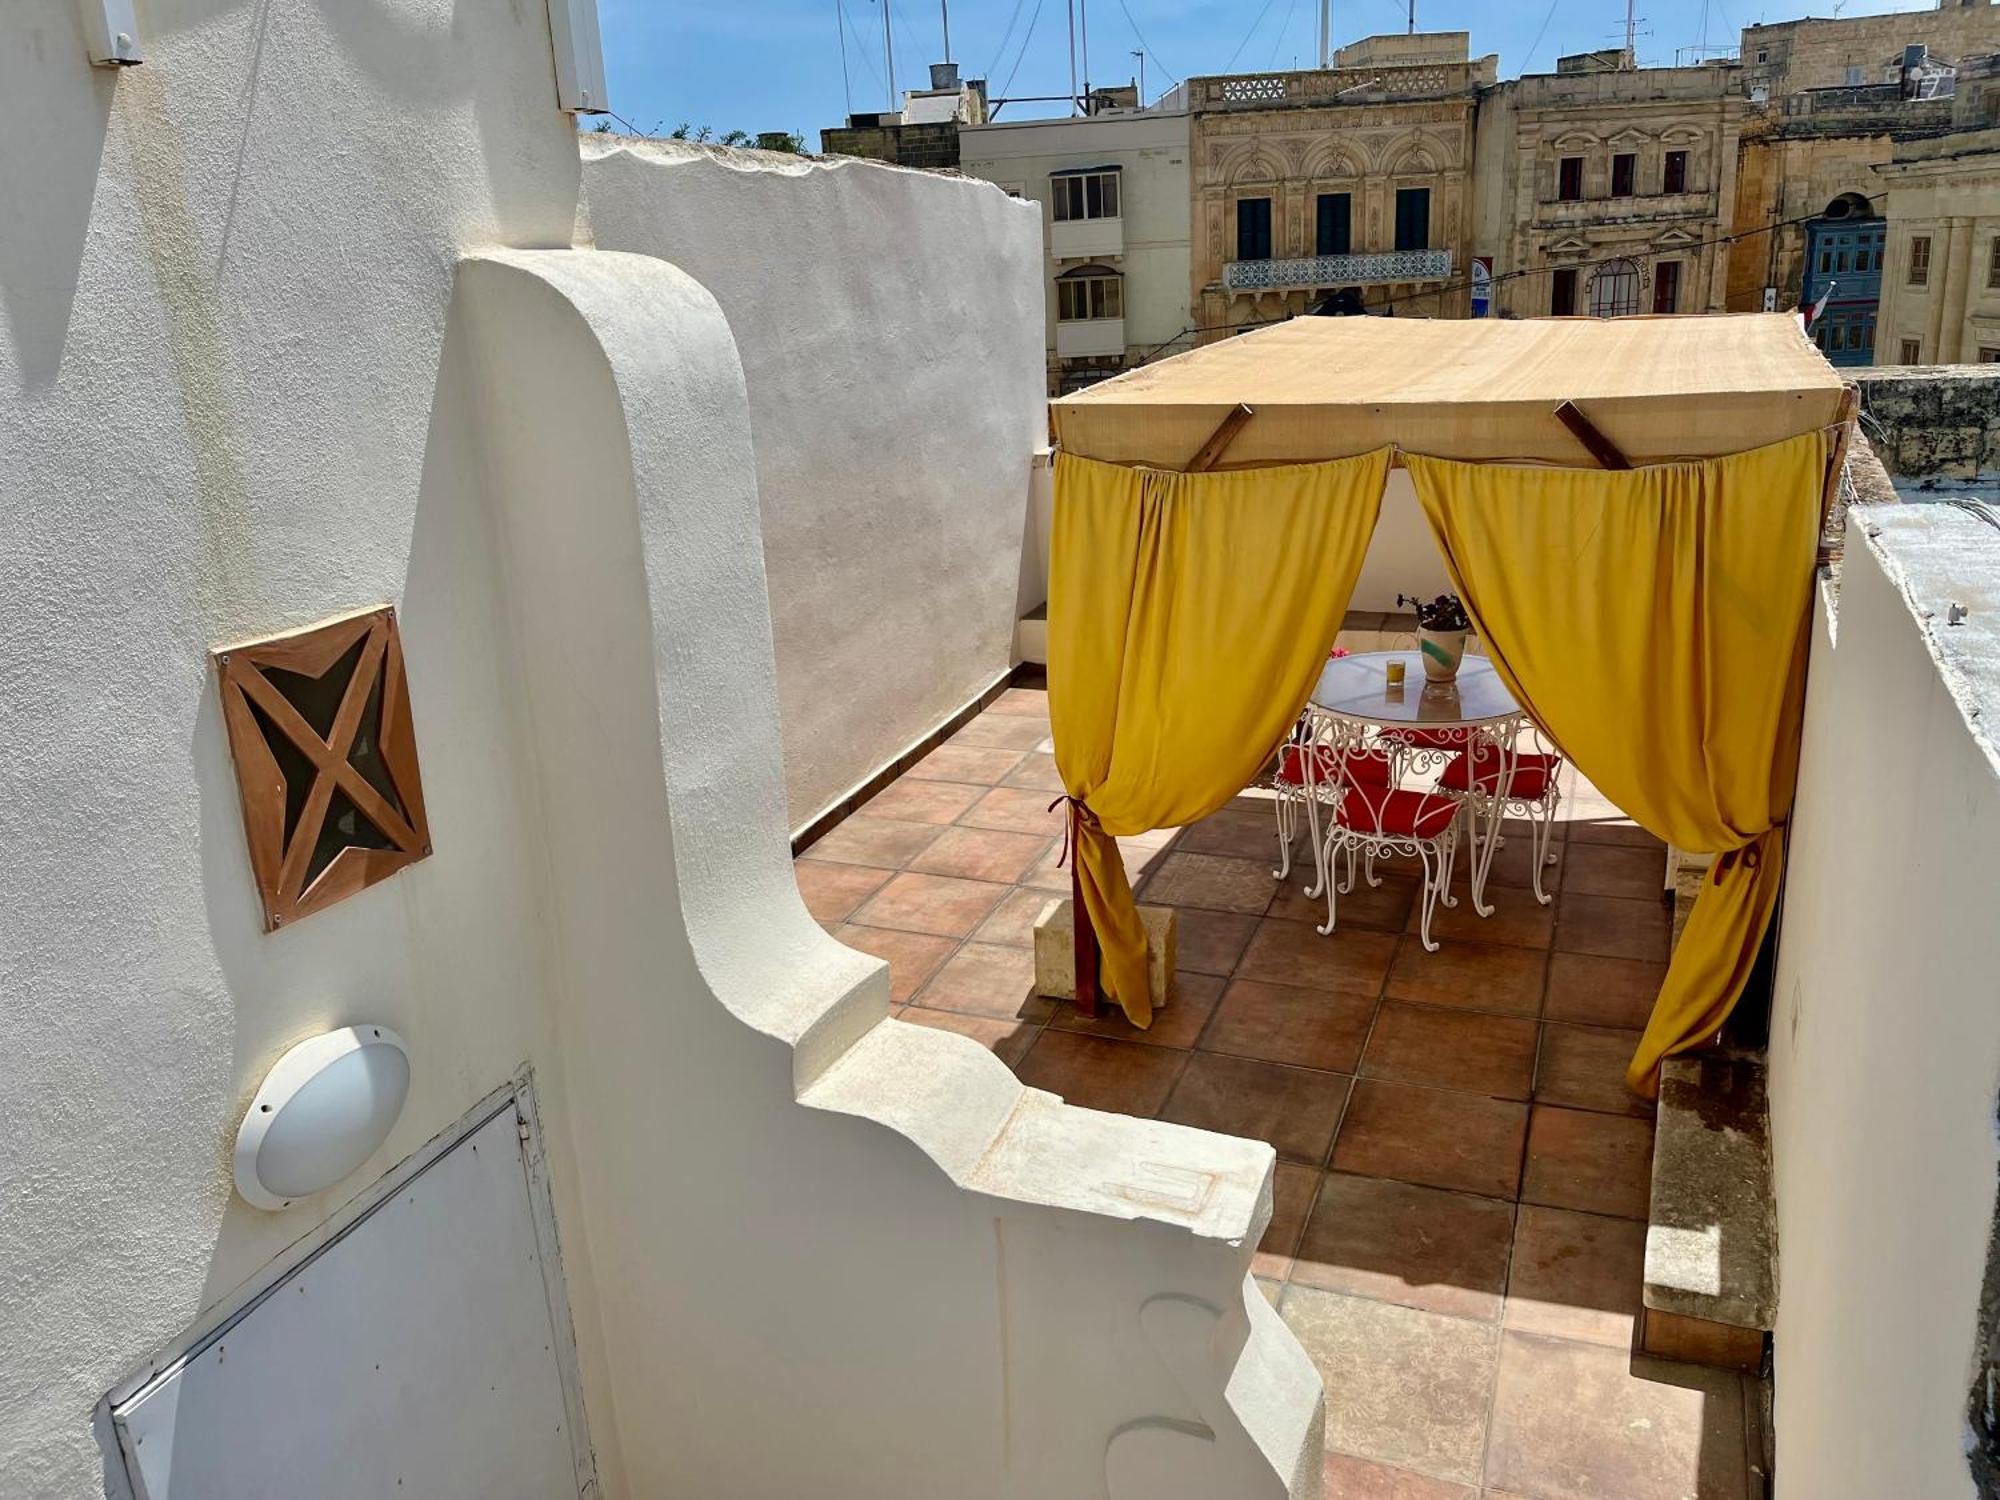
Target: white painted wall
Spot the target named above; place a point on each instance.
(223, 282)
(1885, 1047)
(887, 320)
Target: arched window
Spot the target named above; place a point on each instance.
(1089, 292)
(1614, 289)
(1849, 206)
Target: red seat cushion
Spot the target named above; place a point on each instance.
(1404, 814)
(1366, 767)
(1532, 773)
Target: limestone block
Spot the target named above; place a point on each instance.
(1055, 950)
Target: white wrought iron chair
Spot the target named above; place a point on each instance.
(1494, 778)
(1376, 816)
(1303, 783)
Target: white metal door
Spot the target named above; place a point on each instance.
(420, 1351)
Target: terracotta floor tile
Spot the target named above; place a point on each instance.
(1575, 1276)
(1383, 908)
(1416, 1246)
(1099, 1074)
(1616, 870)
(1514, 861)
(1602, 991)
(1292, 1189)
(1601, 1164)
(981, 854)
(1025, 701)
(1518, 919)
(1238, 835)
(911, 801)
(1037, 773)
(1452, 1049)
(1601, 823)
(991, 731)
(1575, 1421)
(967, 763)
(864, 839)
(832, 891)
(986, 979)
(1282, 1023)
(1294, 1109)
(1007, 1040)
(1434, 1137)
(1282, 952)
(939, 904)
(1175, 1024)
(1349, 1478)
(1047, 875)
(912, 956)
(1015, 810)
(1013, 920)
(1613, 927)
(1211, 881)
(1211, 942)
(1584, 1068)
(1403, 1387)
(1470, 976)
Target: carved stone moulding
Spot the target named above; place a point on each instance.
(326, 761)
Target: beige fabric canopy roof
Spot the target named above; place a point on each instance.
(1484, 389)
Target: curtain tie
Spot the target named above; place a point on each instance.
(1079, 814)
(1748, 855)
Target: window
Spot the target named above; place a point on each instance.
(1667, 287)
(1825, 261)
(1920, 260)
(1674, 178)
(1085, 195)
(1335, 231)
(1912, 352)
(1614, 289)
(1089, 292)
(1253, 228)
(1763, 54)
(1569, 179)
(1562, 293)
(1988, 355)
(1624, 167)
(1413, 218)
(1993, 263)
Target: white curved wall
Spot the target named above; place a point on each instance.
(890, 324)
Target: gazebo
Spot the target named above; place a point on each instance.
(1630, 510)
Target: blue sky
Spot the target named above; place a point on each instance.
(776, 65)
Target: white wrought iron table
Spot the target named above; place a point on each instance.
(1357, 689)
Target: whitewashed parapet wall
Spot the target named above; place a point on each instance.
(890, 324)
(265, 357)
(1885, 1033)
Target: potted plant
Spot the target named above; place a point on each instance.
(1441, 630)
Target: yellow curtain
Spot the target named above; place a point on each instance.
(1189, 617)
(1654, 621)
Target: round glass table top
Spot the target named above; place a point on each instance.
(1357, 687)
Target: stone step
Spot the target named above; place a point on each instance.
(1711, 1293)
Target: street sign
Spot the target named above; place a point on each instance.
(1482, 285)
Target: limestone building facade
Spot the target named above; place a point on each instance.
(1941, 279)
(1607, 191)
(1348, 182)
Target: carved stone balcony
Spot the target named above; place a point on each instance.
(1337, 270)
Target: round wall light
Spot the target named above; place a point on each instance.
(320, 1113)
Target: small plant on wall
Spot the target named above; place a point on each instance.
(326, 761)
